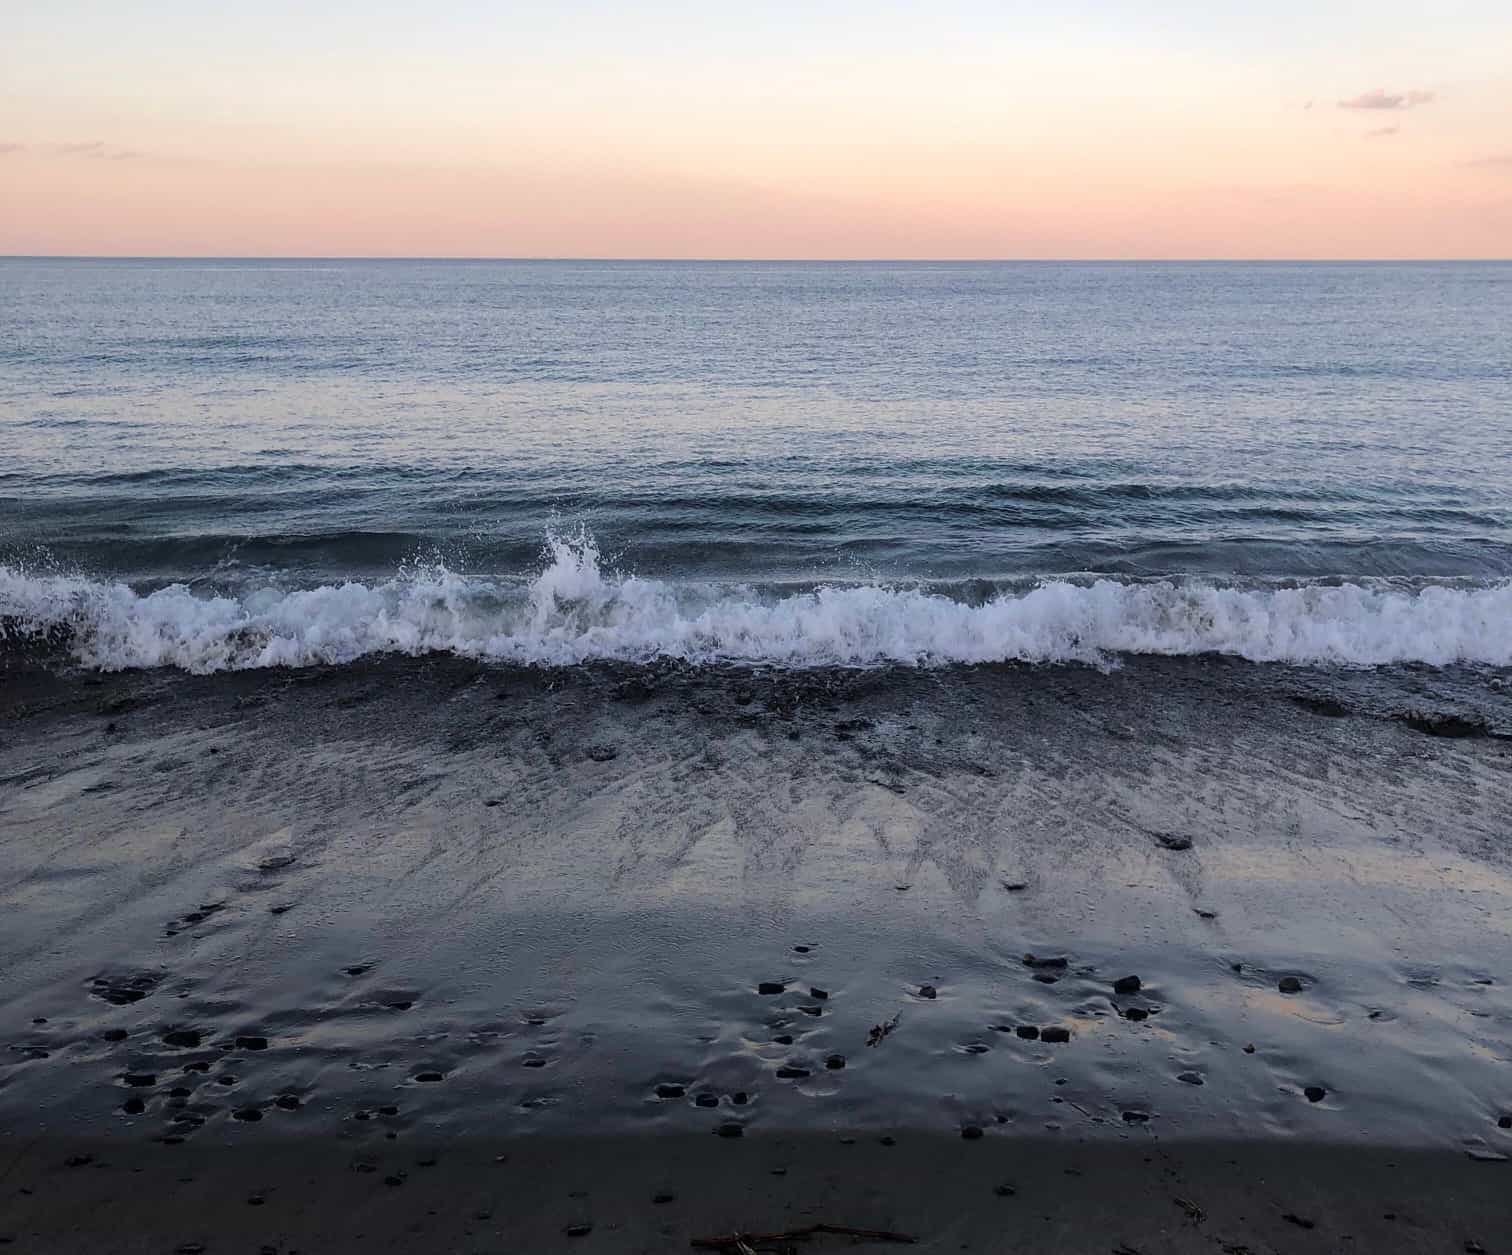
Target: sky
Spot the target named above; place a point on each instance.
(827, 129)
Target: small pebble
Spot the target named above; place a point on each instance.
(928, 991)
(1127, 985)
(1315, 1093)
(1289, 985)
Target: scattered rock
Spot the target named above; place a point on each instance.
(731, 1128)
(706, 1100)
(1136, 1014)
(248, 1114)
(133, 1106)
(1028, 1032)
(1315, 1093)
(1504, 1122)
(670, 1091)
(663, 1198)
(578, 1230)
(1136, 1117)
(602, 753)
(275, 862)
(1014, 886)
(139, 1080)
(78, 1161)
(1004, 1191)
(789, 1073)
(114, 1034)
(821, 994)
(1190, 1078)
(1055, 1033)
(1204, 913)
(928, 991)
(971, 1132)
(1301, 1223)
(1289, 985)
(770, 987)
(834, 1062)
(1056, 963)
(184, 1038)
(251, 1043)
(430, 1078)
(1127, 985)
(1170, 841)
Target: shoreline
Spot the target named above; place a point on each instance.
(423, 907)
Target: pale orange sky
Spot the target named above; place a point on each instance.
(828, 130)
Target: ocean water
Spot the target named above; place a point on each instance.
(215, 464)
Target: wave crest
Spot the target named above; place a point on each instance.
(576, 611)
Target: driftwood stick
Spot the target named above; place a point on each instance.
(737, 1241)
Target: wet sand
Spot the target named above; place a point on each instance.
(293, 935)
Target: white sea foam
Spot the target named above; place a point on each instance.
(574, 611)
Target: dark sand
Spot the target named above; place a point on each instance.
(292, 936)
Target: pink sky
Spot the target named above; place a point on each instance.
(469, 134)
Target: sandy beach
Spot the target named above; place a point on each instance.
(425, 954)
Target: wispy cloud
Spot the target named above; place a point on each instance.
(1382, 130)
(1381, 99)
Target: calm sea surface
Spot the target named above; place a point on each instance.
(958, 434)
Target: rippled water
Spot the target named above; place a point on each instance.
(737, 434)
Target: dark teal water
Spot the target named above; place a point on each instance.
(965, 431)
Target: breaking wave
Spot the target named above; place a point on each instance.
(575, 610)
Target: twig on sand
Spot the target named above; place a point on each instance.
(741, 1243)
(880, 1031)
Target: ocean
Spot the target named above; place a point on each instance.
(231, 464)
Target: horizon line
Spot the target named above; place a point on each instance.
(778, 261)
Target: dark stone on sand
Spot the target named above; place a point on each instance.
(388, 1111)
(821, 994)
(1027, 1031)
(670, 1091)
(139, 1080)
(1014, 886)
(928, 991)
(1504, 1122)
(251, 1043)
(1045, 978)
(430, 1078)
(663, 1198)
(1055, 963)
(226, 1079)
(578, 1230)
(180, 1091)
(114, 1034)
(784, 1040)
(186, 1038)
(1300, 1222)
(78, 1161)
(788, 1073)
(1204, 913)
(357, 969)
(1004, 1191)
(1472, 1247)
(249, 1114)
(133, 1106)
(888, 1140)
(770, 987)
(1136, 1117)
(1055, 1033)
(255, 1200)
(1249, 1049)
(397, 1179)
(1289, 985)
(602, 753)
(1170, 841)
(706, 1100)
(731, 1128)
(1189, 1078)
(535, 1061)
(1127, 985)
(975, 1048)
(1136, 1014)
(275, 862)
(740, 1098)
(812, 1010)
(1315, 1093)
(971, 1132)
(801, 949)
(835, 1062)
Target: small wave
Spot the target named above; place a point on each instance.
(576, 610)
